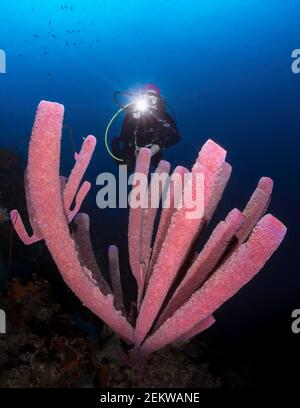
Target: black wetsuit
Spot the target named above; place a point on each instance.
(155, 126)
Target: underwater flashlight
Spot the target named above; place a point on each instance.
(142, 104)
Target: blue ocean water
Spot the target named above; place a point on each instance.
(224, 67)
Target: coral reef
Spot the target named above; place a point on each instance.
(45, 348)
(178, 289)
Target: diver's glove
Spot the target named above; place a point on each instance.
(154, 149)
(164, 122)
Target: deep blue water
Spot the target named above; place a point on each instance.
(225, 67)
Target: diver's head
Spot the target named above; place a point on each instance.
(151, 89)
(152, 94)
(148, 100)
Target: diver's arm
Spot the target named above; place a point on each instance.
(170, 132)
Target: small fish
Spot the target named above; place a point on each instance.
(36, 36)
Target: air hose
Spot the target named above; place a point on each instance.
(108, 127)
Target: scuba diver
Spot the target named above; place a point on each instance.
(146, 124)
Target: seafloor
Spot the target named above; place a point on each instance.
(44, 347)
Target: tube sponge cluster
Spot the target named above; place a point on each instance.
(176, 298)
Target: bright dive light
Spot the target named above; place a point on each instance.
(142, 104)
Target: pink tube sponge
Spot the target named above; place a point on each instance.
(47, 204)
(238, 270)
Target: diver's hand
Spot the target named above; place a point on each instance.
(154, 149)
(164, 122)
